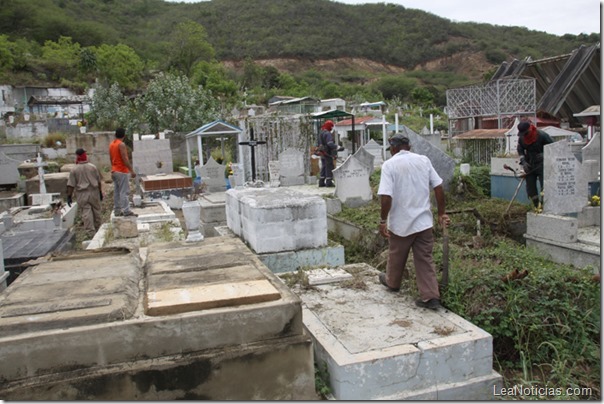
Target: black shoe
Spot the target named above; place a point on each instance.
(321, 182)
(329, 183)
(382, 278)
(130, 213)
(432, 304)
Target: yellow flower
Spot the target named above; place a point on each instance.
(595, 200)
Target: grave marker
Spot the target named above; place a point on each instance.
(291, 168)
(376, 150)
(365, 158)
(352, 182)
(273, 173)
(565, 186)
(212, 174)
(9, 170)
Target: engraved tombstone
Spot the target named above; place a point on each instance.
(352, 182)
(565, 186)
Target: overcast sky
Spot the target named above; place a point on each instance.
(556, 17)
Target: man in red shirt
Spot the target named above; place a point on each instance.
(121, 171)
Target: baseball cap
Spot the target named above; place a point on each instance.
(398, 139)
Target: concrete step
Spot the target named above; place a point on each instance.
(589, 235)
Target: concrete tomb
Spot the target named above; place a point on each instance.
(204, 321)
(173, 188)
(291, 168)
(286, 228)
(352, 182)
(155, 222)
(377, 345)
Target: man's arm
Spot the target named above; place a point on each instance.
(443, 218)
(386, 204)
(125, 159)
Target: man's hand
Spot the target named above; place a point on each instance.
(132, 174)
(384, 230)
(69, 201)
(444, 220)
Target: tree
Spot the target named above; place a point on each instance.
(422, 96)
(109, 108)
(213, 77)
(188, 46)
(119, 64)
(395, 86)
(61, 57)
(7, 61)
(171, 102)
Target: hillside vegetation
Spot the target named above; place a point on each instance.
(245, 52)
(275, 29)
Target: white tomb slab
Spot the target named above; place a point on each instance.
(378, 345)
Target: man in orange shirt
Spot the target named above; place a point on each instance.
(121, 170)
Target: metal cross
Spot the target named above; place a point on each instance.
(253, 143)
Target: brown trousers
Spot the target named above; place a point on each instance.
(89, 205)
(425, 272)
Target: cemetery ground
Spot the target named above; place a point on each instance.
(544, 317)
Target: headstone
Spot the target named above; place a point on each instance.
(152, 156)
(565, 186)
(291, 168)
(238, 175)
(592, 164)
(9, 170)
(273, 173)
(212, 174)
(41, 166)
(442, 163)
(376, 150)
(352, 183)
(365, 158)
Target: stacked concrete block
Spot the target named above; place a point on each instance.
(277, 219)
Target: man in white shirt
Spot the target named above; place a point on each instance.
(406, 218)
